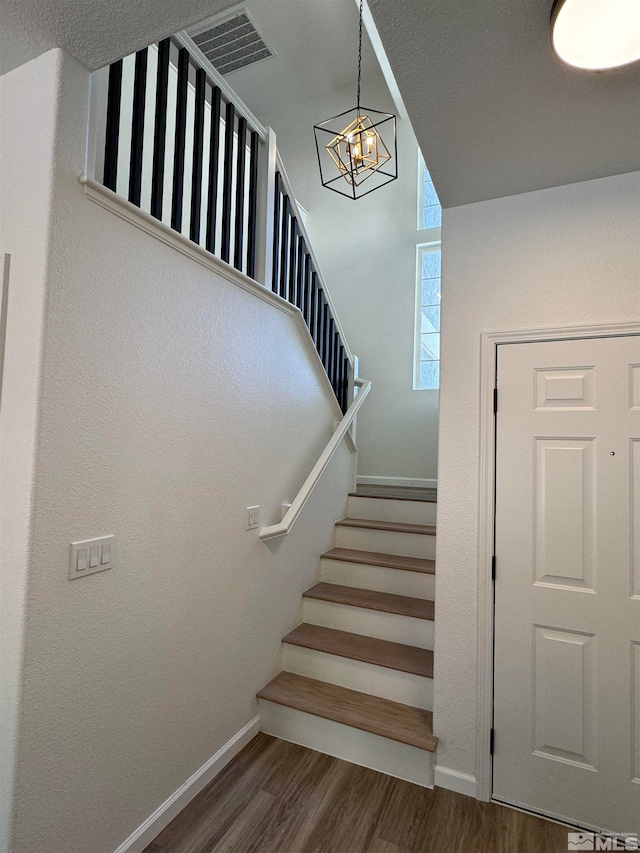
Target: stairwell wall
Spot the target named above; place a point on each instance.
(161, 400)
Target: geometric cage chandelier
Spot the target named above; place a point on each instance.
(357, 149)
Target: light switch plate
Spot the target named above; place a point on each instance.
(101, 551)
(253, 517)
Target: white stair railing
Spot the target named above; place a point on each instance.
(281, 529)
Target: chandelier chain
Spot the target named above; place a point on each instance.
(359, 56)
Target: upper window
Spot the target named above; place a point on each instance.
(426, 374)
(431, 212)
(428, 356)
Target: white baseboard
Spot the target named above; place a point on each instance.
(409, 482)
(172, 806)
(453, 780)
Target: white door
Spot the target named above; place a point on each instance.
(567, 606)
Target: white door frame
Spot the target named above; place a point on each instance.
(486, 500)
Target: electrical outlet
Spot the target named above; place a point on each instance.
(253, 517)
(91, 556)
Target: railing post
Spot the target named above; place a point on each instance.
(98, 86)
(266, 202)
(353, 390)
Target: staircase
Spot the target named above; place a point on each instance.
(358, 672)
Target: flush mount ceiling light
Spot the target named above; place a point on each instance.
(357, 151)
(596, 34)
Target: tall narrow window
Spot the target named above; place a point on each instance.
(431, 210)
(429, 335)
(426, 373)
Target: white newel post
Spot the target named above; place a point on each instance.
(353, 390)
(98, 89)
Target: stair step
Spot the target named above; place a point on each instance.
(403, 605)
(396, 493)
(395, 526)
(367, 649)
(388, 561)
(392, 510)
(402, 723)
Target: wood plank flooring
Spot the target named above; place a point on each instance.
(403, 605)
(276, 797)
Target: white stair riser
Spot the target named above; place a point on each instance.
(386, 542)
(379, 578)
(383, 509)
(379, 753)
(404, 687)
(371, 623)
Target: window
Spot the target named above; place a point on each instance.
(428, 343)
(431, 210)
(427, 333)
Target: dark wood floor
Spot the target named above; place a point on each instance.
(275, 797)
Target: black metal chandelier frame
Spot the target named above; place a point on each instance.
(358, 149)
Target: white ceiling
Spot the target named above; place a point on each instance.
(316, 60)
(94, 31)
(494, 111)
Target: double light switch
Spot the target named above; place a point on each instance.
(91, 556)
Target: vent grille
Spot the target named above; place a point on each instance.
(232, 44)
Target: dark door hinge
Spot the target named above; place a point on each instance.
(493, 567)
(495, 400)
(492, 742)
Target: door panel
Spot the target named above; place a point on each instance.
(635, 709)
(567, 606)
(634, 386)
(565, 390)
(563, 694)
(564, 542)
(634, 520)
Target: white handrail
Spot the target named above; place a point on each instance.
(301, 498)
(286, 183)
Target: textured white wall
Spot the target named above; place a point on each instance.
(558, 257)
(367, 251)
(170, 400)
(26, 129)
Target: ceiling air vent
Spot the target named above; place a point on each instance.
(231, 44)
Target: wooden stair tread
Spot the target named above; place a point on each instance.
(396, 493)
(375, 558)
(394, 526)
(367, 649)
(403, 605)
(372, 714)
